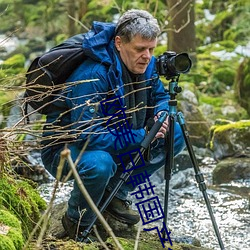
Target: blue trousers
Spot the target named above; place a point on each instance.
(100, 171)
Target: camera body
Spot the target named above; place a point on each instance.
(171, 65)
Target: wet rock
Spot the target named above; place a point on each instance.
(231, 169)
(181, 179)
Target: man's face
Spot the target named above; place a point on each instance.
(137, 53)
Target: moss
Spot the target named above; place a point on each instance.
(242, 84)
(229, 45)
(225, 75)
(235, 125)
(6, 243)
(128, 244)
(16, 61)
(219, 102)
(16, 237)
(220, 131)
(214, 101)
(21, 199)
(150, 243)
(13, 71)
(9, 219)
(13, 239)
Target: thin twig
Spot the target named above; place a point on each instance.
(99, 238)
(138, 236)
(77, 21)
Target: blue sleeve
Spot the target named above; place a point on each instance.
(88, 123)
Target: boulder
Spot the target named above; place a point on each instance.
(231, 139)
(231, 169)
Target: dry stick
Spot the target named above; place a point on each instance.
(137, 236)
(99, 238)
(45, 217)
(66, 154)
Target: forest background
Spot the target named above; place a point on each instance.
(214, 33)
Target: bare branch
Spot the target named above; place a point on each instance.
(66, 154)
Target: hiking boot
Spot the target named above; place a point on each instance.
(121, 211)
(75, 231)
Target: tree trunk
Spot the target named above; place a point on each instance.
(181, 28)
(83, 7)
(71, 6)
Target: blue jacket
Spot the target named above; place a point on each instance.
(103, 74)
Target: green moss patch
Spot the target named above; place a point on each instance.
(22, 200)
(10, 231)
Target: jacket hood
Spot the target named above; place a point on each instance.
(98, 43)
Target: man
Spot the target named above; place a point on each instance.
(120, 66)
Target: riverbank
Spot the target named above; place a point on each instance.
(188, 216)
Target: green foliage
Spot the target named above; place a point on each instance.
(13, 239)
(221, 23)
(224, 75)
(12, 67)
(229, 23)
(216, 67)
(219, 102)
(242, 84)
(6, 243)
(17, 61)
(22, 200)
(214, 101)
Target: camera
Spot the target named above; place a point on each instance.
(171, 65)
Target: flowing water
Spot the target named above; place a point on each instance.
(188, 216)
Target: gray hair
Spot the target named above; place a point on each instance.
(137, 22)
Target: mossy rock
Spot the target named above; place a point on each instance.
(153, 242)
(11, 237)
(22, 200)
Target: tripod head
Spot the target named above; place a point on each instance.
(174, 89)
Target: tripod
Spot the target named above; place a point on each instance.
(173, 90)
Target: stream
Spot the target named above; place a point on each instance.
(188, 216)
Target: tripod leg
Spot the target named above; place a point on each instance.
(199, 176)
(168, 166)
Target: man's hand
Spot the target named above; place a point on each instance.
(164, 128)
